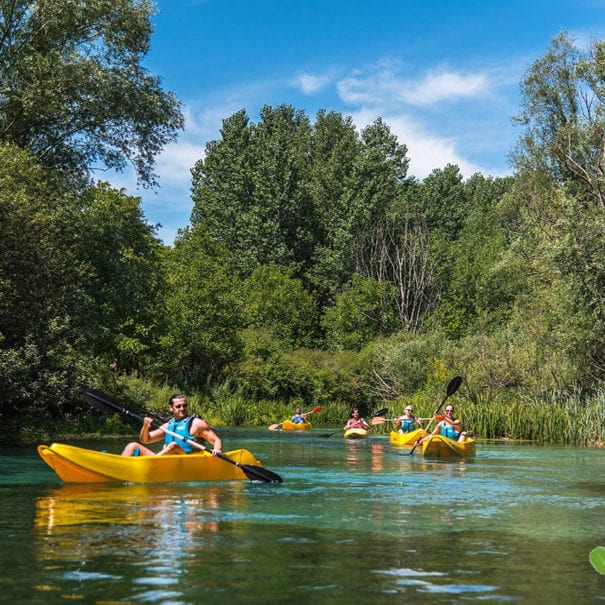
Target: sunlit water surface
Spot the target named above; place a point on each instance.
(353, 522)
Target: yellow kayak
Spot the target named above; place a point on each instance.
(78, 465)
(439, 446)
(406, 439)
(356, 433)
(288, 425)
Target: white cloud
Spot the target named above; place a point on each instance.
(425, 151)
(309, 84)
(385, 86)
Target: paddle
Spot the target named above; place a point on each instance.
(381, 412)
(379, 420)
(315, 410)
(105, 403)
(452, 387)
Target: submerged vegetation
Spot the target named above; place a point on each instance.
(315, 270)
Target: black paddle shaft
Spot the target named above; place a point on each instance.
(104, 402)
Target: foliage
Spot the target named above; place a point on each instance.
(125, 282)
(558, 195)
(273, 299)
(202, 315)
(74, 91)
(365, 309)
(40, 276)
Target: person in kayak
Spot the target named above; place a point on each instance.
(298, 417)
(355, 422)
(449, 427)
(189, 426)
(407, 423)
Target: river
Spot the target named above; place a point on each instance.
(353, 522)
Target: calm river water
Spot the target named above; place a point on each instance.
(353, 522)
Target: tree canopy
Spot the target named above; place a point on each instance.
(73, 89)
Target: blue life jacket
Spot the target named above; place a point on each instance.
(182, 428)
(408, 425)
(298, 419)
(448, 430)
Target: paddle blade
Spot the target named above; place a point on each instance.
(453, 385)
(381, 412)
(258, 473)
(316, 410)
(378, 420)
(275, 427)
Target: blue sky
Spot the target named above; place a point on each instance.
(444, 75)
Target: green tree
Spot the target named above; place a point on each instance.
(336, 147)
(559, 196)
(481, 286)
(251, 194)
(74, 91)
(364, 310)
(125, 282)
(563, 115)
(275, 300)
(203, 313)
(41, 279)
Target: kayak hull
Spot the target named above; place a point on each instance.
(439, 446)
(78, 465)
(356, 434)
(406, 439)
(288, 425)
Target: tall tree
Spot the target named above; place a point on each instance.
(74, 91)
(41, 287)
(124, 282)
(563, 114)
(203, 314)
(560, 195)
(250, 192)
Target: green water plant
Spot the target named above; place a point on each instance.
(597, 558)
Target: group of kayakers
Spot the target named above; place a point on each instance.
(184, 428)
(448, 426)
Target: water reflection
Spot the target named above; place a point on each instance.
(147, 532)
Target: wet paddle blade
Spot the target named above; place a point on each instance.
(258, 473)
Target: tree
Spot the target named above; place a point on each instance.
(397, 252)
(203, 313)
(559, 195)
(275, 300)
(365, 309)
(74, 91)
(41, 288)
(563, 113)
(250, 192)
(124, 282)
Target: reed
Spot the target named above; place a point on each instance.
(575, 418)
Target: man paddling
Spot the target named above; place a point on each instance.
(181, 423)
